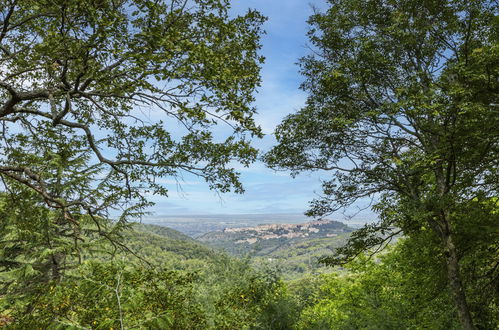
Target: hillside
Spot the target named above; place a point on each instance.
(263, 240)
(165, 246)
(162, 231)
(293, 249)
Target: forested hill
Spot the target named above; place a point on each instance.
(164, 246)
(292, 249)
(162, 231)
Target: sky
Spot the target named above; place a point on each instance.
(267, 191)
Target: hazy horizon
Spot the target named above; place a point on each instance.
(195, 225)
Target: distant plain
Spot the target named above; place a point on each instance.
(197, 225)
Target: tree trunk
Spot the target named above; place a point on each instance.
(456, 285)
(451, 258)
(57, 260)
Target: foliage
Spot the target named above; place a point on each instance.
(136, 86)
(238, 296)
(108, 294)
(36, 247)
(114, 295)
(402, 108)
(162, 246)
(98, 101)
(403, 291)
(175, 284)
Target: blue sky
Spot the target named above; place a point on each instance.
(284, 43)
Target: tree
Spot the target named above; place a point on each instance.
(118, 295)
(402, 289)
(402, 108)
(30, 230)
(137, 86)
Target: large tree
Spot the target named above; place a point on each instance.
(137, 86)
(402, 108)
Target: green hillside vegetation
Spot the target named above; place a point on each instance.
(162, 246)
(301, 258)
(293, 256)
(176, 283)
(189, 285)
(402, 289)
(162, 231)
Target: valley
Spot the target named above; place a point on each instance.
(293, 250)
